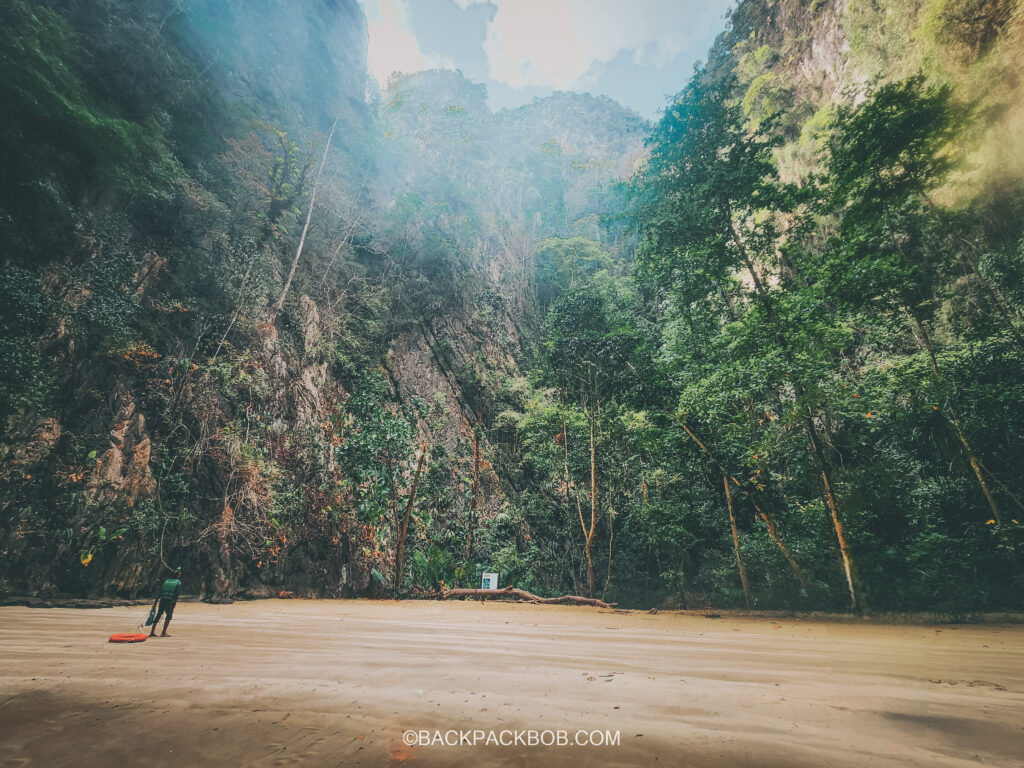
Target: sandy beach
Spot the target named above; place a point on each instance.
(337, 683)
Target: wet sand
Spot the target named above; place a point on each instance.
(336, 683)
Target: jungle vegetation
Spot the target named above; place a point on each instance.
(767, 352)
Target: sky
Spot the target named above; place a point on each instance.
(638, 52)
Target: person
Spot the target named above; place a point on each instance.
(164, 600)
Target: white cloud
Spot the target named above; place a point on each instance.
(392, 46)
(556, 43)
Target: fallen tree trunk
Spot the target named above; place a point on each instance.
(522, 594)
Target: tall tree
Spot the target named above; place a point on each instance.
(713, 216)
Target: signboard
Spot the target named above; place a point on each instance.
(489, 581)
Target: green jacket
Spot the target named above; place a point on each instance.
(169, 590)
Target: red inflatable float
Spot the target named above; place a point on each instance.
(127, 637)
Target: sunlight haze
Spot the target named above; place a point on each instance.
(634, 52)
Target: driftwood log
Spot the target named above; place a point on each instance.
(522, 594)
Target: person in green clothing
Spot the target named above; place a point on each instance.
(164, 600)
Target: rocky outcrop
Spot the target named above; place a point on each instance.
(307, 398)
(268, 352)
(307, 390)
(240, 412)
(28, 441)
(123, 469)
(418, 378)
(424, 370)
(825, 61)
(309, 317)
(308, 58)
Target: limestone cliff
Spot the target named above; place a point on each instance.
(182, 419)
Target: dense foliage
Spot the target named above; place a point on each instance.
(807, 393)
(297, 340)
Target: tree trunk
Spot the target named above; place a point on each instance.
(833, 509)
(522, 594)
(797, 570)
(588, 533)
(475, 491)
(1005, 309)
(736, 543)
(222, 584)
(579, 504)
(611, 540)
(593, 509)
(922, 334)
(400, 550)
(819, 456)
(279, 304)
(772, 533)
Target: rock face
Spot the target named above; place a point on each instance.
(82, 509)
(825, 63)
(122, 472)
(309, 316)
(286, 58)
(418, 374)
(240, 415)
(28, 442)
